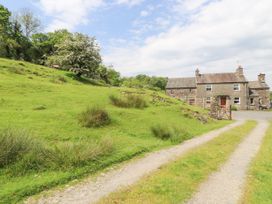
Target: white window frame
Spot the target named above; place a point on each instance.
(208, 87)
(237, 102)
(208, 100)
(236, 87)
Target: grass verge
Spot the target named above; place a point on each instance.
(259, 185)
(176, 182)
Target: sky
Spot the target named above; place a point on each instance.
(167, 37)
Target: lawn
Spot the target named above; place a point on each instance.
(46, 103)
(259, 185)
(177, 181)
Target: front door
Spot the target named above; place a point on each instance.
(223, 101)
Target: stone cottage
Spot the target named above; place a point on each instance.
(227, 89)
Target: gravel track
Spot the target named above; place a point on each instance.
(226, 186)
(91, 190)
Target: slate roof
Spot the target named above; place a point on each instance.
(220, 78)
(181, 83)
(258, 85)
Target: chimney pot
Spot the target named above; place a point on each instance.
(240, 70)
(261, 78)
(197, 72)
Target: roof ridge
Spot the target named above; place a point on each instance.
(219, 73)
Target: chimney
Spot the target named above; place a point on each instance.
(240, 71)
(261, 78)
(197, 72)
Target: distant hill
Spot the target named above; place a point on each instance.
(46, 104)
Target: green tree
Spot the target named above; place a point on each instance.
(22, 45)
(5, 29)
(13, 44)
(45, 44)
(144, 81)
(79, 53)
(109, 75)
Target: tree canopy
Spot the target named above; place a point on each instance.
(79, 53)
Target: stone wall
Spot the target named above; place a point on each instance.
(184, 94)
(226, 89)
(262, 100)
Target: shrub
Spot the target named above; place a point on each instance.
(14, 144)
(175, 135)
(94, 117)
(161, 132)
(234, 108)
(179, 135)
(129, 101)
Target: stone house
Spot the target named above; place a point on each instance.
(227, 89)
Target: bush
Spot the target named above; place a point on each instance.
(94, 117)
(234, 108)
(161, 132)
(129, 101)
(14, 144)
(175, 135)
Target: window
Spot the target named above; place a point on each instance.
(208, 87)
(236, 87)
(236, 100)
(252, 101)
(208, 100)
(192, 101)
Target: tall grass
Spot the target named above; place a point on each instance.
(129, 101)
(174, 134)
(68, 155)
(94, 117)
(21, 153)
(14, 144)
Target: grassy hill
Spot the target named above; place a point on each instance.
(45, 104)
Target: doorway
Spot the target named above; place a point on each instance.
(223, 101)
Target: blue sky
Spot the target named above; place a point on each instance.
(168, 37)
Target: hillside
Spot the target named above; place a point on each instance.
(46, 104)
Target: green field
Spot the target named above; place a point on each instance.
(259, 185)
(177, 181)
(46, 102)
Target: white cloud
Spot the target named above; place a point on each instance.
(129, 2)
(144, 13)
(221, 33)
(190, 5)
(68, 13)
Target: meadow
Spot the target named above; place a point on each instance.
(42, 106)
